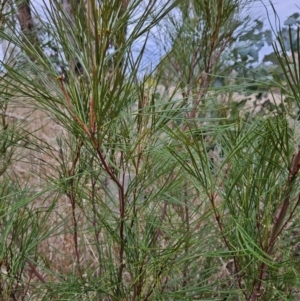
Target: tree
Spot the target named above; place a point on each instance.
(112, 190)
(25, 18)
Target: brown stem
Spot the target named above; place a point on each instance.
(122, 224)
(89, 131)
(154, 285)
(279, 225)
(35, 272)
(220, 225)
(75, 230)
(95, 227)
(72, 197)
(164, 211)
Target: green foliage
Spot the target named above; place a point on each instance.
(137, 193)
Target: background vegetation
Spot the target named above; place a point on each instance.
(124, 183)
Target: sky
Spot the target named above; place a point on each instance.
(284, 9)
